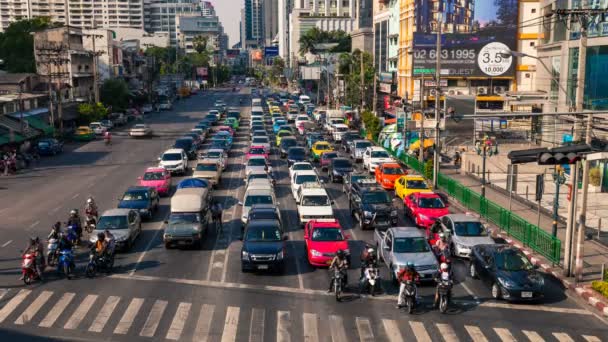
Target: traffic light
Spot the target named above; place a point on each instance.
(558, 158)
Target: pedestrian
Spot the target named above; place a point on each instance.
(216, 215)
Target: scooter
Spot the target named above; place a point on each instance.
(28, 268)
(371, 281)
(66, 263)
(444, 288)
(51, 254)
(98, 262)
(409, 296)
(339, 283)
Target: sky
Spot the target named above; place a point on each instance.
(485, 10)
(229, 12)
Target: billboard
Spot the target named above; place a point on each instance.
(474, 34)
(256, 55)
(233, 53)
(271, 51)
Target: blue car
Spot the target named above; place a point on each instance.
(49, 147)
(220, 144)
(277, 125)
(224, 135)
(193, 183)
(212, 118)
(141, 198)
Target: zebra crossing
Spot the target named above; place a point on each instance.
(116, 316)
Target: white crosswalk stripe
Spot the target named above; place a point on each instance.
(80, 312)
(311, 327)
(475, 333)
(336, 326)
(203, 325)
(591, 338)
(447, 332)
(563, 337)
(129, 316)
(533, 336)
(104, 315)
(504, 335)
(391, 328)
(420, 332)
(256, 326)
(283, 326)
(231, 324)
(31, 310)
(364, 328)
(179, 321)
(156, 313)
(56, 310)
(13, 303)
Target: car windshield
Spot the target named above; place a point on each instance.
(139, 126)
(182, 218)
(297, 152)
(302, 118)
(512, 261)
(315, 201)
(306, 178)
(289, 143)
(341, 129)
(470, 229)
(206, 167)
(376, 197)
(431, 203)
(416, 184)
(44, 144)
(284, 134)
(214, 154)
(342, 163)
(330, 155)
(322, 147)
(260, 140)
(410, 245)
(258, 199)
(154, 176)
(263, 234)
(183, 143)
(380, 154)
(393, 171)
(257, 151)
(135, 196)
(302, 167)
(327, 234)
(263, 215)
(112, 222)
(256, 162)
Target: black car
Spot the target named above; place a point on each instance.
(338, 169)
(265, 212)
(49, 147)
(287, 143)
(212, 118)
(352, 178)
(507, 271)
(198, 142)
(141, 198)
(348, 137)
(263, 246)
(296, 154)
(188, 145)
(372, 206)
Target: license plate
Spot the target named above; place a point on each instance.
(526, 294)
(181, 243)
(262, 267)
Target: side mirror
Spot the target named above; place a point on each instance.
(166, 222)
(332, 202)
(240, 203)
(158, 159)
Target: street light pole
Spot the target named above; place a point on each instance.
(487, 147)
(437, 104)
(559, 179)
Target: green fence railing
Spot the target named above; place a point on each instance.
(529, 234)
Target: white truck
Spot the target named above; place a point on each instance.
(313, 203)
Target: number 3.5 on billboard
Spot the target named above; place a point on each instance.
(486, 58)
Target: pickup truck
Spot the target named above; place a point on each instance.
(399, 245)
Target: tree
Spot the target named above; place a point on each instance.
(164, 58)
(200, 43)
(349, 65)
(115, 94)
(506, 12)
(17, 43)
(317, 36)
(372, 124)
(278, 67)
(90, 112)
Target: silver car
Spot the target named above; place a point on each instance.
(124, 224)
(465, 232)
(357, 148)
(256, 163)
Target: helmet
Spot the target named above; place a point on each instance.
(442, 236)
(32, 240)
(409, 265)
(90, 200)
(443, 266)
(101, 236)
(340, 254)
(57, 225)
(73, 212)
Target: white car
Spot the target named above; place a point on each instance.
(256, 163)
(165, 105)
(338, 130)
(465, 231)
(174, 160)
(300, 119)
(313, 203)
(216, 154)
(256, 194)
(375, 156)
(301, 177)
(98, 128)
(140, 130)
(261, 141)
(147, 108)
(329, 125)
(300, 166)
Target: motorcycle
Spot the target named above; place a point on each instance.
(371, 280)
(51, 254)
(90, 223)
(409, 296)
(66, 263)
(339, 283)
(73, 234)
(97, 262)
(28, 268)
(444, 288)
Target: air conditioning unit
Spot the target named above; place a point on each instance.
(500, 90)
(482, 90)
(452, 92)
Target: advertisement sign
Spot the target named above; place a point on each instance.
(202, 71)
(474, 36)
(271, 51)
(256, 55)
(385, 77)
(384, 88)
(233, 53)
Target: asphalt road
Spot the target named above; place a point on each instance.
(202, 295)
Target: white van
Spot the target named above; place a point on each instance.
(189, 219)
(256, 102)
(304, 99)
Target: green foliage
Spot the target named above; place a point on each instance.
(17, 44)
(428, 169)
(276, 71)
(372, 124)
(164, 59)
(316, 36)
(601, 287)
(200, 44)
(595, 176)
(115, 94)
(349, 65)
(90, 112)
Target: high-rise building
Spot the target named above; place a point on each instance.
(363, 35)
(207, 9)
(207, 27)
(160, 15)
(284, 9)
(270, 21)
(254, 26)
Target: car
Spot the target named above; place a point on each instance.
(212, 117)
(348, 138)
(253, 175)
(409, 184)
(357, 149)
(174, 160)
(124, 224)
(218, 155)
(118, 119)
(300, 119)
(140, 130)
(318, 148)
(465, 231)
(301, 177)
(232, 122)
(338, 130)
(287, 143)
(331, 122)
(277, 124)
(258, 193)
(323, 240)
(220, 144)
(507, 271)
(375, 156)
(258, 133)
(424, 208)
(165, 105)
(202, 133)
(372, 206)
(147, 108)
(300, 166)
(108, 124)
(313, 137)
(257, 151)
(399, 246)
(261, 141)
(386, 174)
(196, 139)
(83, 133)
(338, 169)
(225, 128)
(211, 170)
(281, 134)
(354, 177)
(313, 203)
(326, 158)
(157, 178)
(225, 135)
(188, 145)
(263, 246)
(256, 163)
(295, 154)
(49, 147)
(144, 199)
(98, 128)
(287, 128)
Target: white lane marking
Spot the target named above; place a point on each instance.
(3, 292)
(475, 333)
(311, 330)
(420, 331)
(179, 321)
(563, 337)
(364, 328)
(533, 336)
(391, 328)
(466, 288)
(256, 325)
(13, 303)
(129, 316)
(57, 310)
(231, 324)
(336, 327)
(75, 196)
(203, 325)
(54, 210)
(34, 224)
(156, 313)
(591, 338)
(7, 243)
(143, 254)
(80, 312)
(104, 315)
(536, 308)
(283, 326)
(231, 230)
(447, 332)
(504, 335)
(31, 310)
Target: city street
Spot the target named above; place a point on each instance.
(202, 295)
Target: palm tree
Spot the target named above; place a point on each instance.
(200, 43)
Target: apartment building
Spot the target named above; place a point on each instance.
(160, 15)
(363, 34)
(191, 27)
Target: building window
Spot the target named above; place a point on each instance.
(532, 43)
(556, 64)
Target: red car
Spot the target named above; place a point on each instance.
(158, 178)
(227, 129)
(323, 240)
(388, 173)
(424, 208)
(257, 151)
(326, 158)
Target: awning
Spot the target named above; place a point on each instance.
(33, 112)
(6, 138)
(39, 125)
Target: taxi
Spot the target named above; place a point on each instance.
(319, 148)
(84, 133)
(410, 184)
(388, 173)
(158, 178)
(232, 122)
(282, 133)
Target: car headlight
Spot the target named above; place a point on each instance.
(315, 253)
(367, 213)
(280, 255)
(508, 283)
(424, 217)
(393, 212)
(244, 255)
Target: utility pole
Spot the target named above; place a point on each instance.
(95, 63)
(361, 83)
(375, 97)
(421, 137)
(437, 104)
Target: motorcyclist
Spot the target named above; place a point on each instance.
(107, 136)
(442, 244)
(442, 275)
(55, 231)
(434, 232)
(35, 247)
(74, 220)
(368, 258)
(340, 262)
(110, 242)
(405, 275)
(90, 207)
(100, 244)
